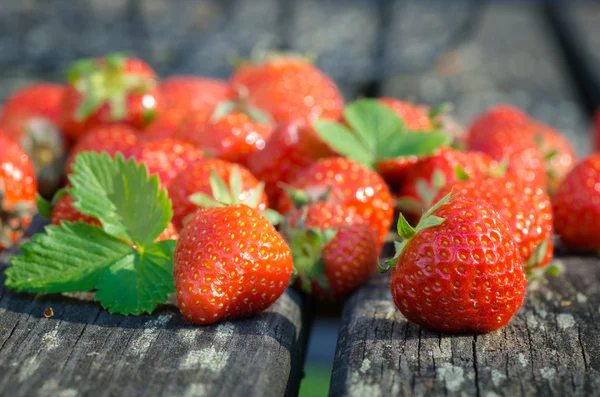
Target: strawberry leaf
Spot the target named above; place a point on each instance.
(344, 142)
(119, 193)
(66, 258)
(414, 144)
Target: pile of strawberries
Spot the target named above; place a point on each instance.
(275, 180)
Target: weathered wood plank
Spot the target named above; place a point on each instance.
(550, 347)
(83, 350)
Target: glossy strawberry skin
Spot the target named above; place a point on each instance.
(165, 157)
(64, 211)
(289, 88)
(195, 179)
(464, 275)
(576, 206)
(185, 92)
(350, 258)
(415, 117)
(111, 138)
(352, 185)
(233, 137)
(293, 147)
(526, 209)
(501, 116)
(165, 125)
(42, 99)
(140, 106)
(17, 188)
(239, 267)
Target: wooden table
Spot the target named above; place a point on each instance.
(513, 54)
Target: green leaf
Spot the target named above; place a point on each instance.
(129, 205)
(66, 258)
(405, 230)
(274, 217)
(138, 282)
(461, 174)
(219, 188)
(344, 142)
(44, 207)
(414, 144)
(439, 109)
(222, 110)
(371, 121)
(204, 200)
(430, 221)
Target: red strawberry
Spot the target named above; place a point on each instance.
(576, 206)
(559, 155)
(166, 157)
(64, 211)
(348, 183)
(500, 116)
(430, 174)
(111, 138)
(232, 133)
(292, 147)
(526, 209)
(42, 99)
(459, 270)
(17, 191)
(196, 178)
(187, 93)
(291, 87)
(239, 267)
(166, 124)
(415, 117)
(40, 137)
(107, 90)
(334, 249)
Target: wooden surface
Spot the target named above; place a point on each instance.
(82, 350)
(550, 348)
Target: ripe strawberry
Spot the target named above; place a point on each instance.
(415, 117)
(238, 267)
(187, 93)
(17, 191)
(292, 147)
(64, 211)
(334, 249)
(111, 138)
(501, 116)
(196, 178)
(430, 174)
(166, 157)
(526, 209)
(165, 125)
(232, 133)
(107, 90)
(459, 270)
(41, 99)
(559, 155)
(576, 206)
(289, 88)
(40, 137)
(348, 183)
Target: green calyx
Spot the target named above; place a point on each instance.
(301, 198)
(232, 193)
(306, 245)
(376, 133)
(46, 207)
(407, 232)
(241, 105)
(106, 82)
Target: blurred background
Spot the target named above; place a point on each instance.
(543, 56)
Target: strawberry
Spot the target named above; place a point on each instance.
(40, 99)
(166, 157)
(290, 87)
(459, 270)
(196, 178)
(187, 93)
(17, 191)
(232, 133)
(63, 210)
(501, 116)
(334, 249)
(415, 117)
(107, 90)
(229, 262)
(345, 182)
(526, 209)
(559, 155)
(40, 137)
(576, 206)
(292, 147)
(430, 174)
(111, 138)
(165, 125)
